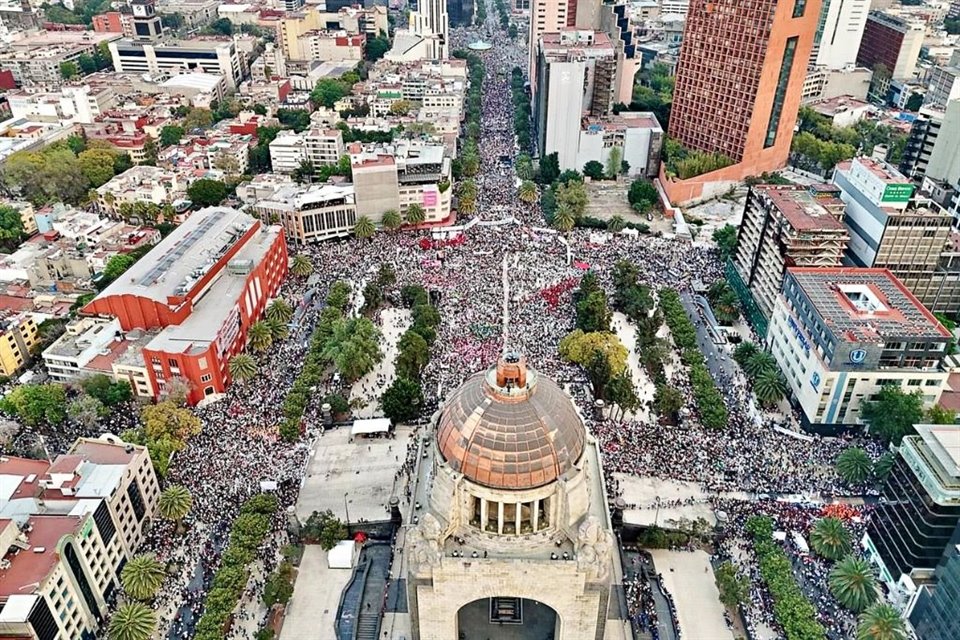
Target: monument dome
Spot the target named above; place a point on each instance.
(510, 428)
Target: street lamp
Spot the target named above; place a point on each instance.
(346, 508)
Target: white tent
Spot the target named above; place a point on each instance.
(343, 556)
(372, 425)
(799, 541)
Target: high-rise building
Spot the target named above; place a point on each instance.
(892, 42)
(146, 22)
(839, 32)
(890, 228)
(740, 78)
(576, 75)
(548, 16)
(917, 518)
(944, 164)
(209, 56)
(787, 226)
(923, 138)
(934, 614)
(943, 86)
(839, 334)
(430, 21)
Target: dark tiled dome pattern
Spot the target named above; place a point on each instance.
(516, 441)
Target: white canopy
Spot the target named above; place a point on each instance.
(342, 555)
(372, 425)
(799, 541)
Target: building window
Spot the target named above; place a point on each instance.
(205, 377)
(202, 363)
(799, 6)
(781, 94)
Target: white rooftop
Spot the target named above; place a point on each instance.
(205, 82)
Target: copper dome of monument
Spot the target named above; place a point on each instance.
(510, 428)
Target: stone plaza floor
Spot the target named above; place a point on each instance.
(312, 611)
(687, 576)
(357, 471)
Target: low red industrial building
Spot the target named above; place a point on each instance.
(200, 289)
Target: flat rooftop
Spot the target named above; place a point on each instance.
(881, 170)
(30, 566)
(840, 104)
(183, 256)
(866, 305)
(802, 210)
(944, 443)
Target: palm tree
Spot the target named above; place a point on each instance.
(467, 204)
(142, 577)
(242, 367)
(280, 311)
(881, 622)
(770, 387)
(760, 362)
(175, 502)
(132, 621)
(416, 214)
(301, 267)
(883, 466)
(527, 191)
(830, 539)
(563, 219)
(852, 584)
(616, 224)
(391, 220)
(854, 465)
(278, 330)
(364, 228)
(744, 353)
(260, 336)
(109, 199)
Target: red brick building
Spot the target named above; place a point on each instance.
(199, 291)
(739, 80)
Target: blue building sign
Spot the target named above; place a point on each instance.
(799, 334)
(857, 356)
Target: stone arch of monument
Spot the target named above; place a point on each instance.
(509, 618)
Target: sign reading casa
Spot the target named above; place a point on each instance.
(897, 193)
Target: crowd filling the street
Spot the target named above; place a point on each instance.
(506, 285)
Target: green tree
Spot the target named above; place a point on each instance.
(593, 314)
(86, 63)
(391, 220)
(69, 70)
(386, 275)
(761, 362)
(170, 135)
(614, 163)
(278, 588)
(413, 354)
(724, 301)
(279, 310)
(593, 170)
(109, 392)
(242, 367)
(770, 387)
(328, 92)
(621, 393)
(116, 266)
(667, 401)
(572, 194)
(85, 410)
(166, 420)
(524, 166)
(206, 192)
(564, 219)
(278, 330)
(325, 529)
(339, 295)
(527, 191)
(852, 583)
(893, 413)
(734, 588)
(302, 266)
(372, 297)
(132, 621)
(175, 502)
(881, 622)
(37, 404)
(142, 577)
(353, 347)
(830, 539)
(616, 224)
(364, 228)
(549, 168)
(221, 26)
(726, 240)
(940, 415)
(416, 214)
(854, 466)
(402, 400)
(260, 337)
(198, 118)
(376, 48)
(642, 195)
(602, 356)
(11, 227)
(883, 466)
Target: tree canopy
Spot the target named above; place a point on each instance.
(893, 413)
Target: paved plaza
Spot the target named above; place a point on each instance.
(358, 471)
(688, 578)
(312, 611)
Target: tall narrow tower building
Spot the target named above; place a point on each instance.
(740, 77)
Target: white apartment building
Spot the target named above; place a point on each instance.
(839, 33)
(141, 183)
(636, 134)
(395, 177)
(943, 87)
(69, 105)
(66, 528)
(318, 145)
(67, 358)
(840, 334)
(214, 56)
(311, 213)
(674, 8)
